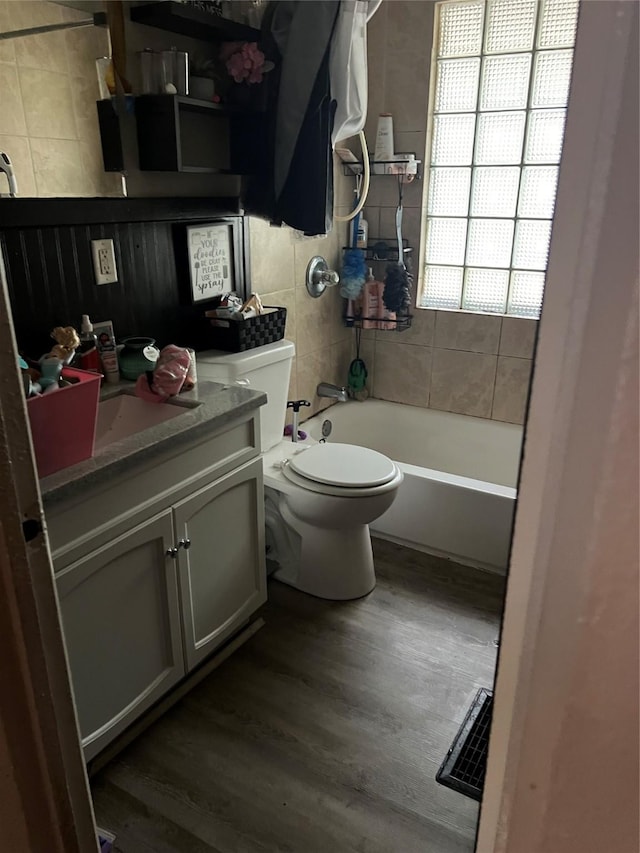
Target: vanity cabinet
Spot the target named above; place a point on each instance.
(174, 570)
(221, 571)
(121, 616)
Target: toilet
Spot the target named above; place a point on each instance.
(319, 497)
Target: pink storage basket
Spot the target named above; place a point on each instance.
(63, 423)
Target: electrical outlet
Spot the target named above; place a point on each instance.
(104, 261)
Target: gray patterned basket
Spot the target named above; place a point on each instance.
(241, 335)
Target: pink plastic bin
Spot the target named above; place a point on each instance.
(63, 423)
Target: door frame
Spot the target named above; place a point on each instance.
(44, 791)
(572, 400)
(583, 416)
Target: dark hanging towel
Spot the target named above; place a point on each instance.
(296, 184)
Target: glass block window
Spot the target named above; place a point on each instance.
(502, 76)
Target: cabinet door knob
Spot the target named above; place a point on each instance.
(171, 552)
(184, 543)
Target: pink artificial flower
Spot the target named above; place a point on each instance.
(244, 61)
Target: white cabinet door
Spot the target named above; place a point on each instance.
(121, 619)
(222, 571)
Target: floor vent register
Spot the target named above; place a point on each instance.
(465, 764)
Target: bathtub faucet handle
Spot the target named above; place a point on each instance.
(295, 405)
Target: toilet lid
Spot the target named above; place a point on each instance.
(346, 465)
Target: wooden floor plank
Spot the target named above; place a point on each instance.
(325, 731)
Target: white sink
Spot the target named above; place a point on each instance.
(125, 415)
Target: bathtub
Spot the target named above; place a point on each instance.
(458, 495)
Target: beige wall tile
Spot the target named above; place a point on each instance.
(420, 332)
(411, 225)
(50, 94)
(313, 322)
(368, 355)
(337, 331)
(84, 94)
(512, 389)
(376, 61)
(407, 85)
(7, 48)
(11, 109)
(47, 104)
(518, 337)
(271, 257)
(311, 370)
(17, 147)
(93, 174)
(462, 382)
(410, 26)
(344, 186)
(372, 215)
(84, 46)
(469, 332)
(340, 360)
(286, 299)
(33, 13)
(402, 373)
(46, 51)
(57, 166)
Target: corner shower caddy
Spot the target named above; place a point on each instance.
(376, 258)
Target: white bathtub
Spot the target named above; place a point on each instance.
(458, 495)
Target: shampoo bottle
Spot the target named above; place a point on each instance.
(371, 302)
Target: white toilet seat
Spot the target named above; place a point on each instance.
(345, 465)
(342, 470)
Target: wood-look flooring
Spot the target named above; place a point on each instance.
(324, 732)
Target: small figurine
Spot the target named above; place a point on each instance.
(67, 341)
(50, 370)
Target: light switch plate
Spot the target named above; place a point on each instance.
(104, 261)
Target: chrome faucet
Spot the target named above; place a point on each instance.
(326, 389)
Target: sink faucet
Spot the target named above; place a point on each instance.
(326, 389)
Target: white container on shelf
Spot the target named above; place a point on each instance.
(384, 142)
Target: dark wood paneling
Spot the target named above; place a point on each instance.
(38, 212)
(51, 282)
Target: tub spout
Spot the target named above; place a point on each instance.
(326, 389)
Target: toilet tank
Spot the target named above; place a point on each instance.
(267, 369)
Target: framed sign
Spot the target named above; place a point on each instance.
(211, 261)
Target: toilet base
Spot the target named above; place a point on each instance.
(328, 563)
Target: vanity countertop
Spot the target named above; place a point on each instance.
(209, 406)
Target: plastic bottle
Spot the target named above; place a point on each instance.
(362, 235)
(88, 349)
(371, 302)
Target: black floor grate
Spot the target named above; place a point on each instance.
(466, 763)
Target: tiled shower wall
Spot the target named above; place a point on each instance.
(48, 93)
(476, 364)
(279, 258)
(472, 364)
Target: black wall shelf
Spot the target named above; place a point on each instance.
(188, 21)
(400, 323)
(356, 167)
(180, 134)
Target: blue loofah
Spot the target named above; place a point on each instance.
(354, 273)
